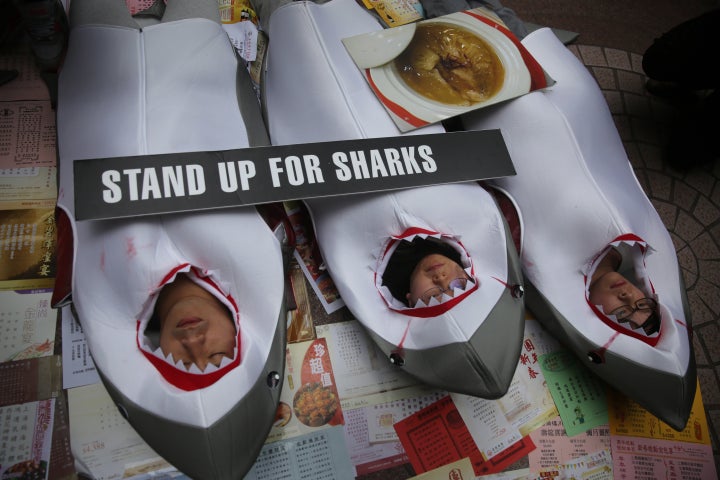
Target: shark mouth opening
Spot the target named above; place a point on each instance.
(632, 250)
(435, 306)
(174, 371)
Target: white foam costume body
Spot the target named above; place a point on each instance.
(170, 87)
(314, 92)
(577, 195)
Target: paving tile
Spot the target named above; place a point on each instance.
(701, 180)
(592, 56)
(622, 123)
(575, 51)
(687, 227)
(715, 232)
(652, 155)
(636, 63)
(636, 161)
(619, 59)
(684, 196)
(630, 82)
(710, 337)
(639, 106)
(645, 130)
(701, 358)
(704, 247)
(709, 294)
(709, 270)
(605, 77)
(701, 314)
(688, 261)
(709, 385)
(715, 194)
(614, 101)
(706, 212)
(660, 185)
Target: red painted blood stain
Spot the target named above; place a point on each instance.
(130, 249)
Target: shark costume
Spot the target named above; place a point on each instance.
(578, 197)
(170, 86)
(465, 341)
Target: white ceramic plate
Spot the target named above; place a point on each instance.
(516, 81)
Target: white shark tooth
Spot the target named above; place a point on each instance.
(210, 368)
(419, 304)
(179, 364)
(225, 361)
(434, 301)
(194, 368)
(158, 353)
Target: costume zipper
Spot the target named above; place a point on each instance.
(345, 96)
(142, 120)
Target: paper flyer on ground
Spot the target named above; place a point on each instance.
(28, 187)
(27, 249)
(635, 457)
(430, 70)
(27, 134)
(462, 469)
(554, 447)
(365, 456)
(594, 466)
(318, 455)
(309, 258)
(394, 13)
(360, 367)
(528, 403)
(25, 439)
(23, 381)
(104, 444)
(28, 324)
(437, 435)
(578, 394)
(78, 366)
(629, 419)
(309, 399)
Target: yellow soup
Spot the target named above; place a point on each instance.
(450, 64)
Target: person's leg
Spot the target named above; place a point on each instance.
(685, 54)
(182, 9)
(102, 12)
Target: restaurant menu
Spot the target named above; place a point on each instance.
(309, 399)
(27, 249)
(438, 435)
(104, 444)
(644, 447)
(579, 395)
(555, 448)
(317, 455)
(28, 324)
(25, 439)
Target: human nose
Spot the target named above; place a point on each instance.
(194, 345)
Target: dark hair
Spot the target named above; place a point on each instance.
(406, 256)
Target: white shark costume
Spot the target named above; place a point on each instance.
(578, 196)
(468, 342)
(170, 87)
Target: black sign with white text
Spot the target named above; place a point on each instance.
(181, 182)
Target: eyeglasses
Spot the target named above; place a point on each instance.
(437, 292)
(624, 313)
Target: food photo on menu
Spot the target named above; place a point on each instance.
(428, 71)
